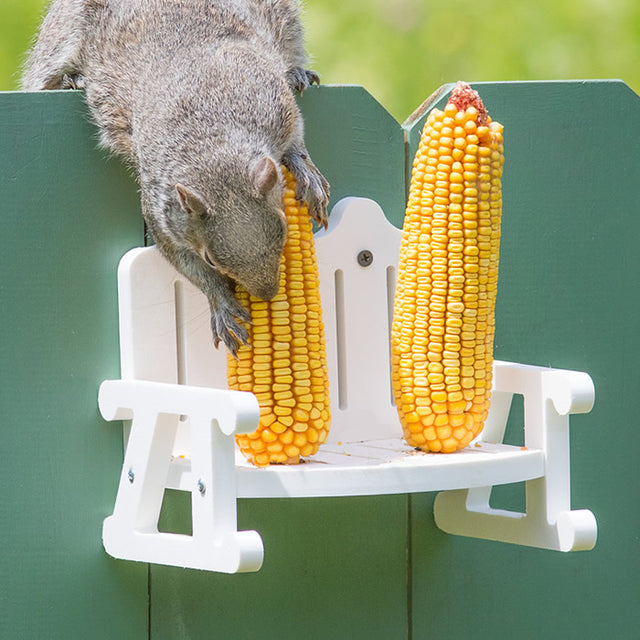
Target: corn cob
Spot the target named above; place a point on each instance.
(443, 325)
(285, 363)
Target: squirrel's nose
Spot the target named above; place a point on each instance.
(263, 279)
(266, 291)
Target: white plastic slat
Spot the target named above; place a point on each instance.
(402, 470)
(357, 315)
(147, 317)
(389, 466)
(165, 333)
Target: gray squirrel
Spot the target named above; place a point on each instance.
(198, 96)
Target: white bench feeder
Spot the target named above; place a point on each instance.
(180, 418)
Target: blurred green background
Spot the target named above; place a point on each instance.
(402, 50)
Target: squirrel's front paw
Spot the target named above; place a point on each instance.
(300, 79)
(318, 199)
(312, 186)
(226, 326)
(73, 81)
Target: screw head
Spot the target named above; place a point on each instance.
(365, 258)
(131, 476)
(201, 487)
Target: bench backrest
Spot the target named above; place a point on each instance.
(165, 334)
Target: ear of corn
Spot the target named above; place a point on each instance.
(285, 362)
(443, 325)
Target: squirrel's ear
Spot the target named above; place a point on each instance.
(265, 175)
(190, 201)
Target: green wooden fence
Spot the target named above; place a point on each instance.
(366, 567)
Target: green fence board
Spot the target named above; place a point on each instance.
(66, 218)
(333, 568)
(357, 144)
(568, 298)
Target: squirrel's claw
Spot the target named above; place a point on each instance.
(73, 81)
(226, 327)
(311, 186)
(318, 201)
(312, 77)
(300, 79)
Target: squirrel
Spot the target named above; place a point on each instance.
(198, 97)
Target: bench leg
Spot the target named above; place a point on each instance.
(548, 522)
(131, 533)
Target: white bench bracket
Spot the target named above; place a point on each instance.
(180, 418)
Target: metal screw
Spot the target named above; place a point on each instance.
(365, 258)
(201, 487)
(131, 476)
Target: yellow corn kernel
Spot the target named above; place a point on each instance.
(447, 274)
(285, 362)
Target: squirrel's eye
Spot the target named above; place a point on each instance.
(207, 258)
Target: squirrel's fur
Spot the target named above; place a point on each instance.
(198, 97)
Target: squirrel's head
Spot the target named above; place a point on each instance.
(237, 225)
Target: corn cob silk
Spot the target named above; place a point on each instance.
(285, 362)
(444, 307)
